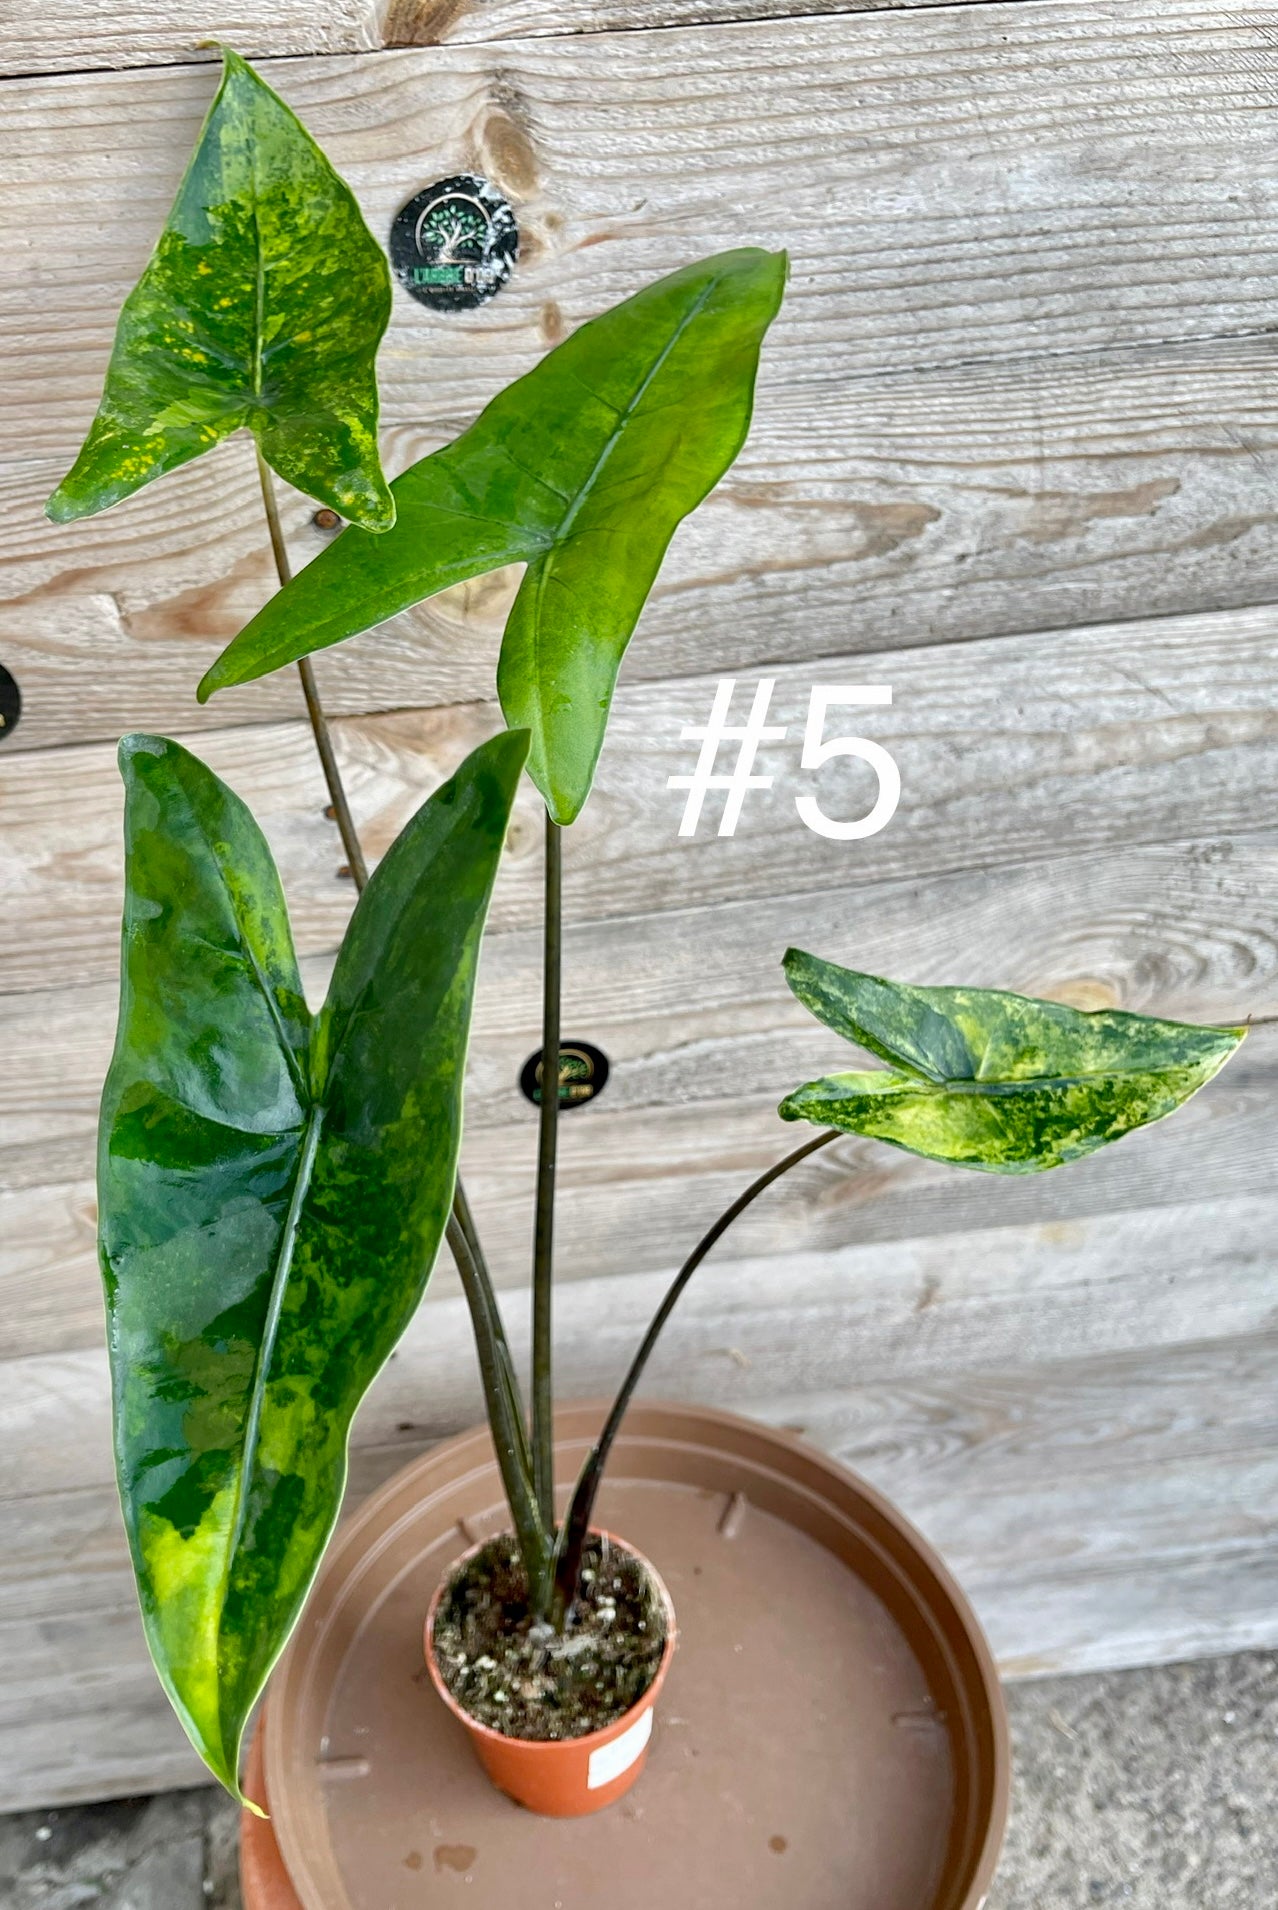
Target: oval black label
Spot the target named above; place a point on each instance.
(583, 1071)
(10, 704)
(454, 245)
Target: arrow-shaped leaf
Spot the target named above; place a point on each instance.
(582, 470)
(273, 1189)
(992, 1080)
(262, 305)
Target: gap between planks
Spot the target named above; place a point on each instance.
(1110, 250)
(1120, 734)
(88, 41)
(796, 1323)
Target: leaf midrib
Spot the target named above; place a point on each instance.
(259, 289)
(585, 490)
(969, 1085)
(266, 1347)
(628, 410)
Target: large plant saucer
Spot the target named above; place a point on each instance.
(832, 1735)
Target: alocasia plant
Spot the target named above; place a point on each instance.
(274, 1184)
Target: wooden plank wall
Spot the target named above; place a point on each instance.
(1014, 457)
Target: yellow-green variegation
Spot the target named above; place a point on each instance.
(263, 305)
(992, 1080)
(273, 1186)
(582, 470)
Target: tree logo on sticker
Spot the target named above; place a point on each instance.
(454, 245)
(583, 1073)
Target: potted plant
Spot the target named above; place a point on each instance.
(275, 1183)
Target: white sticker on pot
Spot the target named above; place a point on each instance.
(610, 1760)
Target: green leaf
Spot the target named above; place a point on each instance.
(991, 1080)
(273, 1189)
(262, 305)
(582, 470)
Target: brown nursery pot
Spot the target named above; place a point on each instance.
(831, 1734)
(570, 1777)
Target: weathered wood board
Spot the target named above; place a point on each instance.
(913, 508)
(1012, 457)
(132, 33)
(994, 213)
(1024, 382)
(1008, 751)
(693, 1008)
(689, 1112)
(1129, 1282)
(638, 1189)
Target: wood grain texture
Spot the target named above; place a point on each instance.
(1028, 385)
(431, 22)
(691, 1007)
(915, 1435)
(89, 34)
(638, 1189)
(1125, 733)
(1002, 181)
(703, 1040)
(942, 505)
(757, 1335)
(1007, 749)
(1072, 175)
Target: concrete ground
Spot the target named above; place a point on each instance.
(1153, 1790)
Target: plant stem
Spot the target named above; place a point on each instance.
(505, 1419)
(577, 1524)
(543, 1404)
(492, 1325)
(496, 1366)
(314, 709)
(466, 1221)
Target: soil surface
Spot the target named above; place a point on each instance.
(527, 1681)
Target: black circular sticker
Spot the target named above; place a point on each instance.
(583, 1070)
(10, 704)
(455, 244)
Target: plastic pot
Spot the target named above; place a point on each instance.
(568, 1777)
